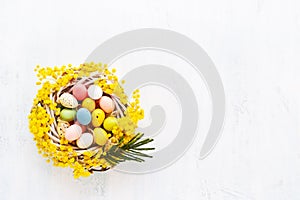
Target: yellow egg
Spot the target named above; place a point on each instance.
(98, 116)
(109, 123)
(100, 136)
(89, 104)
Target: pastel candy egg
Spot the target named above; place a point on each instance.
(109, 123)
(73, 132)
(107, 104)
(89, 104)
(68, 100)
(68, 115)
(100, 136)
(95, 92)
(82, 126)
(85, 140)
(83, 116)
(80, 92)
(97, 117)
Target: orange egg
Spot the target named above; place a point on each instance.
(107, 104)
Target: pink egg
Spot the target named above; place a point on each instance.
(73, 132)
(106, 104)
(82, 126)
(80, 92)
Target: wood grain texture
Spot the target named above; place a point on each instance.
(255, 45)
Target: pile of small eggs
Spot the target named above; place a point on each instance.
(85, 117)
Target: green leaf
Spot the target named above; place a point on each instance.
(129, 151)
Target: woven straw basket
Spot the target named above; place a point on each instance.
(118, 112)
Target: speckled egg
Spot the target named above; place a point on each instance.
(68, 115)
(83, 116)
(61, 127)
(85, 140)
(73, 132)
(79, 91)
(68, 100)
(95, 92)
(89, 104)
(100, 136)
(97, 117)
(109, 123)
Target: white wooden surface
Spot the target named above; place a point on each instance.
(255, 45)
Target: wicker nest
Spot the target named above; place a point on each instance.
(55, 136)
(121, 143)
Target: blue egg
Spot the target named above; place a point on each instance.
(83, 116)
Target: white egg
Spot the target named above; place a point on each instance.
(85, 141)
(95, 92)
(68, 100)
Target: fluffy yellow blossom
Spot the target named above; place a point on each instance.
(61, 152)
